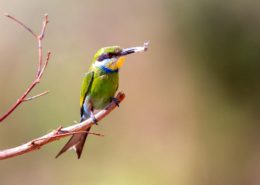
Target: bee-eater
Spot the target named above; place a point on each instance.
(98, 88)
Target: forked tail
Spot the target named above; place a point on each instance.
(76, 142)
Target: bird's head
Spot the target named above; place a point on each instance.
(111, 59)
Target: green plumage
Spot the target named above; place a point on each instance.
(98, 88)
(102, 89)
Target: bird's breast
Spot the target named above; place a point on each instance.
(103, 89)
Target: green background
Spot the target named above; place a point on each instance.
(191, 113)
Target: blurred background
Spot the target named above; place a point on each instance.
(191, 113)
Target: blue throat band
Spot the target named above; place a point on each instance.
(107, 70)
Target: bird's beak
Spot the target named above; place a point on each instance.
(128, 51)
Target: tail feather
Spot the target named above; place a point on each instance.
(76, 142)
(79, 147)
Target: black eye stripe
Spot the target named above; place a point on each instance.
(102, 57)
(110, 55)
(106, 56)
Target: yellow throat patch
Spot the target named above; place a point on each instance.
(120, 62)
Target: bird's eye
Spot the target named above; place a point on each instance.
(105, 56)
(110, 55)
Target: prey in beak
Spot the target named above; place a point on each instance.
(127, 51)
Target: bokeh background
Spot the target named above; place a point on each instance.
(191, 115)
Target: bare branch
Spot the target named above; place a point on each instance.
(40, 38)
(45, 65)
(21, 99)
(40, 68)
(36, 96)
(22, 24)
(59, 133)
(44, 24)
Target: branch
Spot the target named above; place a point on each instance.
(40, 68)
(22, 24)
(23, 97)
(36, 96)
(40, 38)
(59, 133)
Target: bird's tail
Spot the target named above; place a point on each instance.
(76, 142)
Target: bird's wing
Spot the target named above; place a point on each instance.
(85, 87)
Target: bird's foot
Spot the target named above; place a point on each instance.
(116, 101)
(95, 121)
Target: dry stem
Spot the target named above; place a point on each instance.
(59, 133)
(40, 69)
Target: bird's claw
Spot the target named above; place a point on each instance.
(116, 101)
(95, 121)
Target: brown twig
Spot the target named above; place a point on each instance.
(40, 38)
(59, 133)
(40, 68)
(22, 24)
(36, 96)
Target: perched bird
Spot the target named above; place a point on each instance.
(98, 88)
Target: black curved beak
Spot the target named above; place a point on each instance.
(128, 51)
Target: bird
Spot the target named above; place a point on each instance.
(98, 88)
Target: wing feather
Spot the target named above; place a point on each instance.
(85, 87)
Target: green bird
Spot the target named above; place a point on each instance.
(98, 88)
